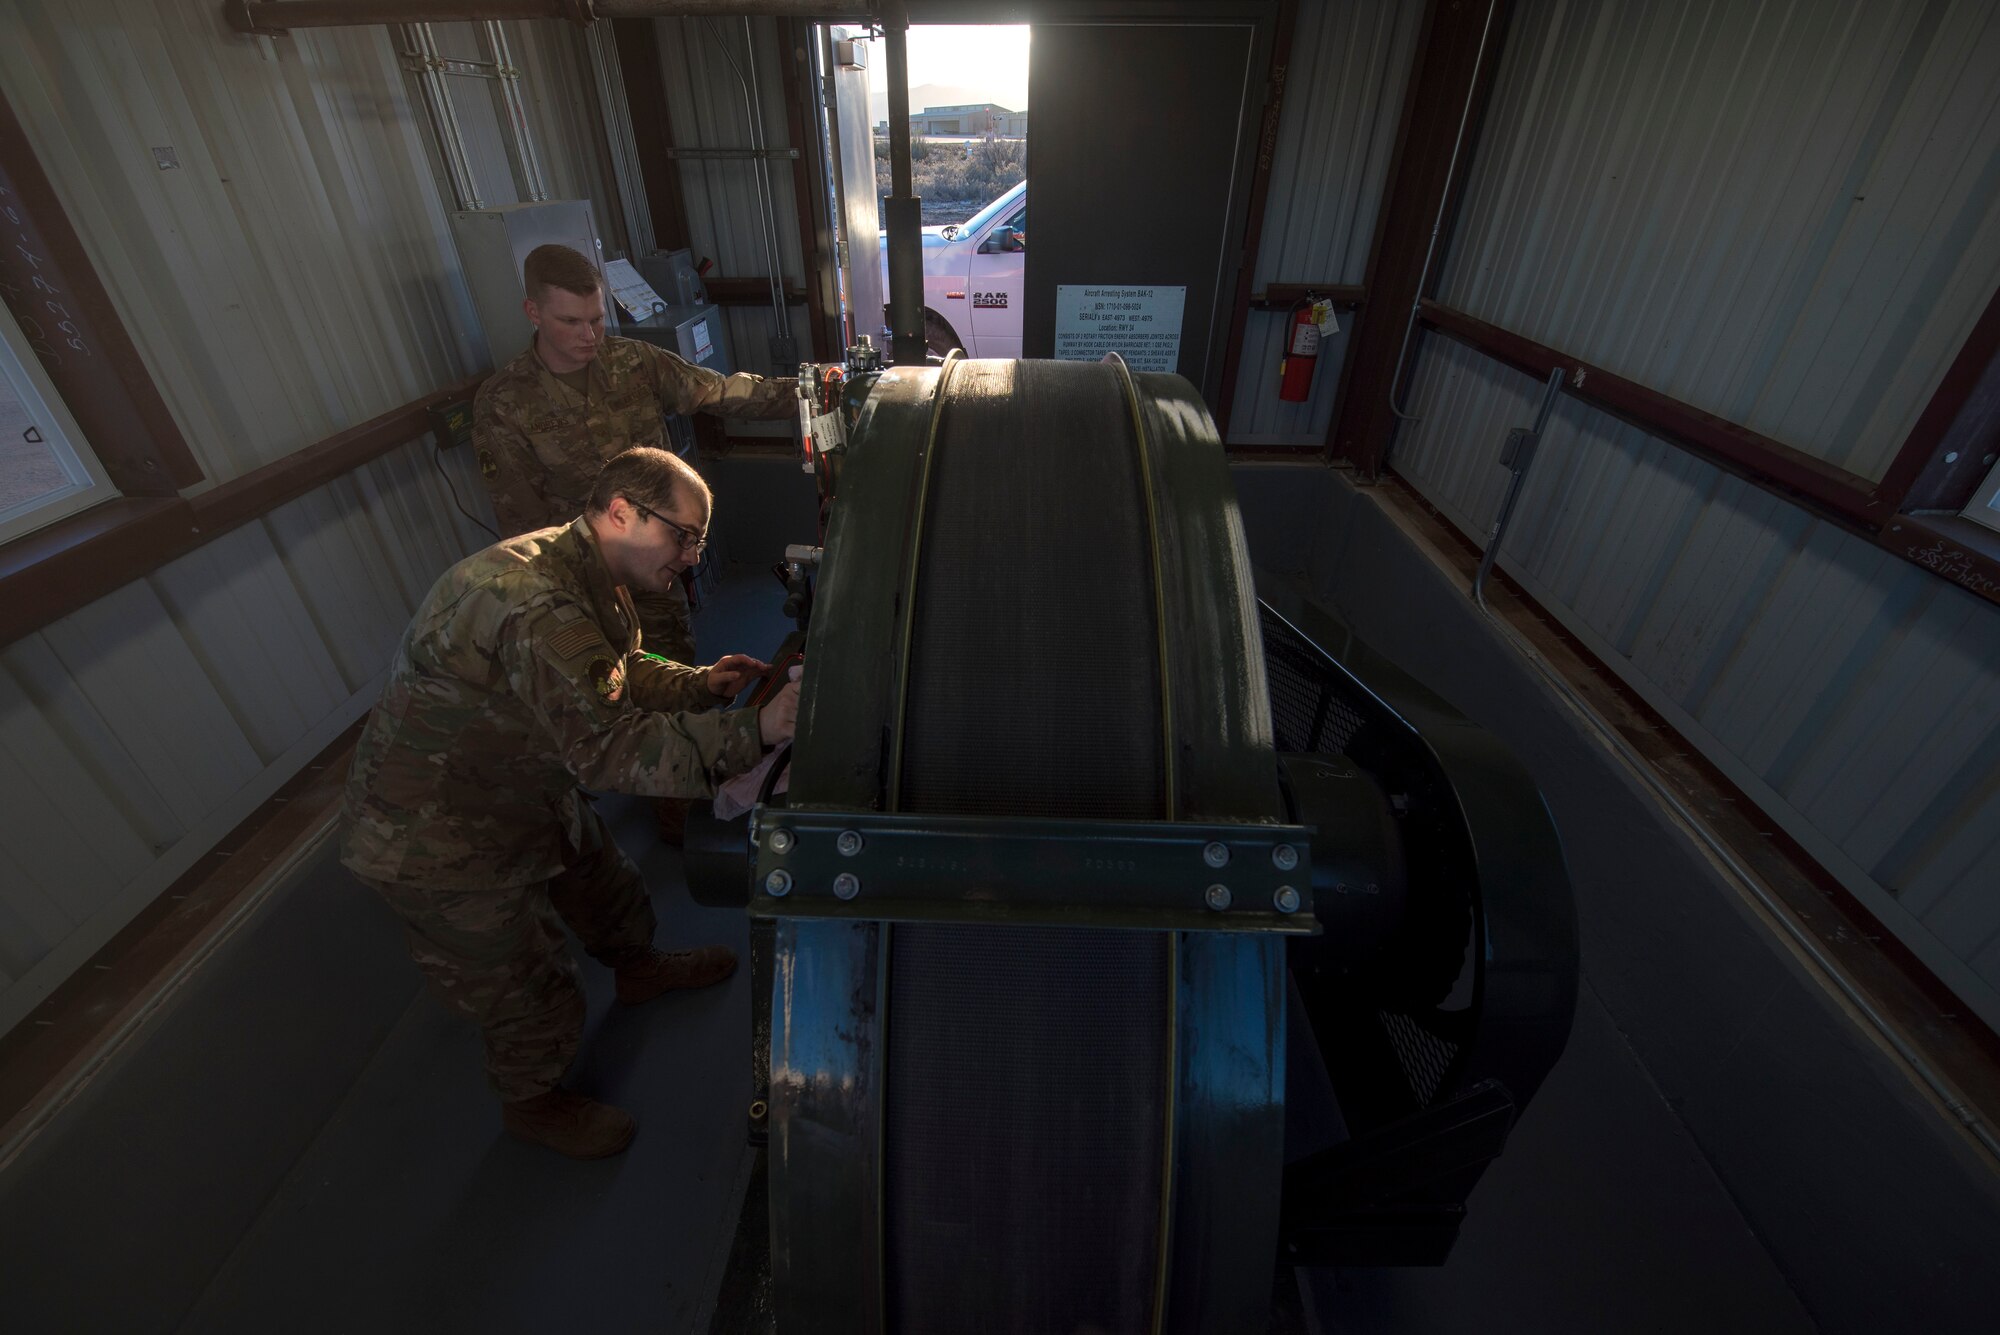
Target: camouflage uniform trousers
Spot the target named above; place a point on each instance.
(498, 956)
(666, 623)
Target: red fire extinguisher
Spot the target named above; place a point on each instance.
(1301, 359)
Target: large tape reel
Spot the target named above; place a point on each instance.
(1036, 603)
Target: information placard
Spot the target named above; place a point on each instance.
(1140, 324)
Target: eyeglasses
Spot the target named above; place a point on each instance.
(689, 539)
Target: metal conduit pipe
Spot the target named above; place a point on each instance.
(532, 179)
(1940, 1088)
(269, 17)
(766, 193)
(903, 210)
(1516, 455)
(767, 229)
(629, 177)
(443, 120)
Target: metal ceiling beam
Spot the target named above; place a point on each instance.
(270, 17)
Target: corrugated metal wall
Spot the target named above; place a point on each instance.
(1647, 194)
(1350, 64)
(293, 276)
(1786, 212)
(707, 67)
(137, 732)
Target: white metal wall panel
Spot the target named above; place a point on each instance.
(563, 118)
(1785, 212)
(294, 274)
(1855, 696)
(562, 125)
(1350, 65)
(480, 118)
(136, 731)
(706, 65)
(245, 624)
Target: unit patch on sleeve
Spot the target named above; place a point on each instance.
(608, 677)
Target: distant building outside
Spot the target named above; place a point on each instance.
(978, 121)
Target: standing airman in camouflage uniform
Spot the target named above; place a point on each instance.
(547, 421)
(522, 677)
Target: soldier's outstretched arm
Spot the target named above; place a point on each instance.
(510, 469)
(560, 665)
(661, 683)
(687, 388)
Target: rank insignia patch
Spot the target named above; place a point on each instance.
(487, 468)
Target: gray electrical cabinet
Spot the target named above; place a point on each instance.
(683, 321)
(696, 333)
(494, 243)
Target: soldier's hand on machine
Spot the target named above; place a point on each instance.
(777, 721)
(732, 672)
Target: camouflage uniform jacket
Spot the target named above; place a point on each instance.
(519, 679)
(541, 443)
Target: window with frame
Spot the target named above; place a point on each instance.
(1984, 507)
(46, 469)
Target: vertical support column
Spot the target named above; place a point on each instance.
(1950, 448)
(1253, 226)
(608, 79)
(809, 195)
(52, 290)
(904, 211)
(1442, 113)
(652, 130)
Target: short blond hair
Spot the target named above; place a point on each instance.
(558, 266)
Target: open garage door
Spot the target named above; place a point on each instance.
(1140, 153)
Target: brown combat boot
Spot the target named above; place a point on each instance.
(571, 1124)
(670, 814)
(660, 971)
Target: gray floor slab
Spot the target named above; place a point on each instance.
(413, 1211)
(405, 1208)
(1602, 1216)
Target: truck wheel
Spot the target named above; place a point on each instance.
(939, 337)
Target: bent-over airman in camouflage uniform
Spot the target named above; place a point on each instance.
(541, 440)
(522, 677)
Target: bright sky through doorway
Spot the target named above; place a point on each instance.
(952, 64)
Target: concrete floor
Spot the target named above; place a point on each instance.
(413, 1212)
(405, 1209)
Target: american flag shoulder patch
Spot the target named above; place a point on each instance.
(576, 639)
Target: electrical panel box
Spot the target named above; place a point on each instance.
(697, 333)
(492, 246)
(674, 276)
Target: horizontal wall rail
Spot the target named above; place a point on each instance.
(1951, 548)
(69, 565)
(1831, 492)
(1284, 296)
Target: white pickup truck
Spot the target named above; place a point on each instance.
(973, 274)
